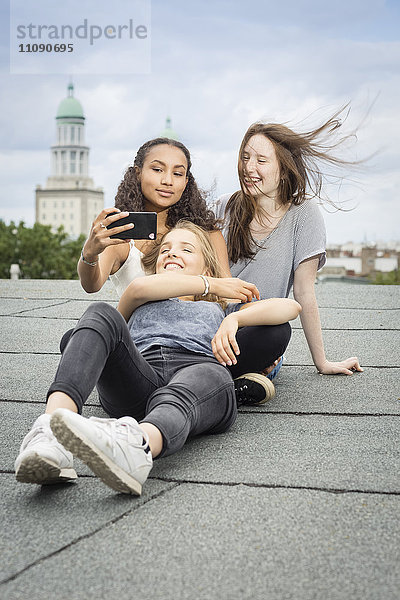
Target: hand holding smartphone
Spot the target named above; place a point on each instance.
(145, 226)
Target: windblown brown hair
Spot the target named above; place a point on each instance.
(192, 204)
(211, 262)
(300, 176)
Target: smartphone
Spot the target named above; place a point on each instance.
(145, 226)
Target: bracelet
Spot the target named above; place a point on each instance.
(207, 285)
(91, 264)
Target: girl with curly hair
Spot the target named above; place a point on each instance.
(160, 180)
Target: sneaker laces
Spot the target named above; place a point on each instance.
(246, 391)
(40, 431)
(241, 392)
(122, 428)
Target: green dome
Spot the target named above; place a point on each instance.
(168, 131)
(70, 107)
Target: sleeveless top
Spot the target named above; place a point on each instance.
(130, 270)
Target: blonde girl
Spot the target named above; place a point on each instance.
(161, 364)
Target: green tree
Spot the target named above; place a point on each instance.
(40, 253)
(390, 278)
(8, 244)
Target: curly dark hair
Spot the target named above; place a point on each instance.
(192, 204)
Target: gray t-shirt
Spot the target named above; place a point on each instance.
(299, 235)
(178, 324)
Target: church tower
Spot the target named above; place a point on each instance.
(69, 197)
(168, 132)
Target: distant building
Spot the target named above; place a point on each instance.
(168, 132)
(359, 260)
(69, 197)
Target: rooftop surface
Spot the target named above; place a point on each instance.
(300, 500)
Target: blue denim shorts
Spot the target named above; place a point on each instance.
(276, 369)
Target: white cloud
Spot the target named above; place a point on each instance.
(217, 67)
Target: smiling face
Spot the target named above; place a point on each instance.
(163, 177)
(181, 252)
(260, 167)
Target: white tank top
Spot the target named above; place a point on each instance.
(131, 269)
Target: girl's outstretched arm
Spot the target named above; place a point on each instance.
(303, 291)
(172, 285)
(157, 287)
(273, 311)
(102, 255)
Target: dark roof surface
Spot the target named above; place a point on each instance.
(301, 499)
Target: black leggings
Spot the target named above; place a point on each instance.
(260, 346)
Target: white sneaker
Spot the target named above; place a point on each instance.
(116, 450)
(42, 459)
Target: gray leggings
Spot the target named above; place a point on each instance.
(181, 393)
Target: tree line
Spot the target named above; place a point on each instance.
(390, 278)
(40, 253)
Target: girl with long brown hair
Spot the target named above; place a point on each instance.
(273, 227)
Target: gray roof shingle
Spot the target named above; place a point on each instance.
(301, 499)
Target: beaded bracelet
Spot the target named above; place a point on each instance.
(91, 264)
(207, 285)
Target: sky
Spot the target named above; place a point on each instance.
(216, 67)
